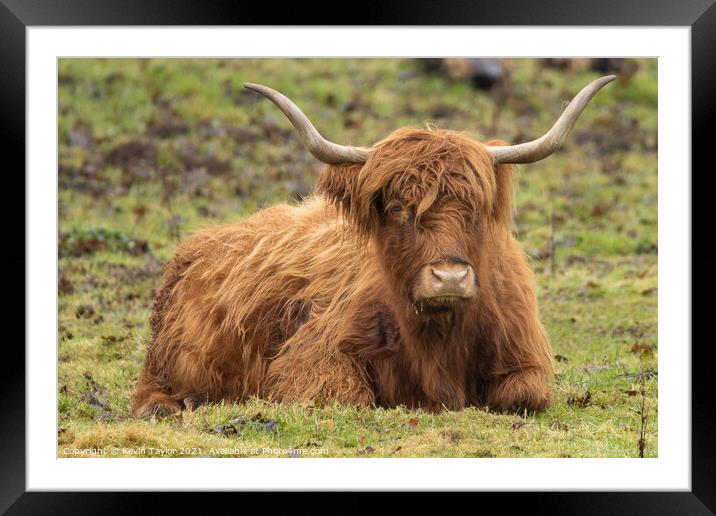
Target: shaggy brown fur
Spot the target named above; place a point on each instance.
(313, 302)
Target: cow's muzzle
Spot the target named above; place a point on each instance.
(444, 283)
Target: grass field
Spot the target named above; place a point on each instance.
(153, 149)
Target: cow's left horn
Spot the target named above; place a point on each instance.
(322, 149)
(551, 141)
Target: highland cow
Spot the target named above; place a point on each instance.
(398, 282)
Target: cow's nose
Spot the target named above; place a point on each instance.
(449, 278)
(453, 278)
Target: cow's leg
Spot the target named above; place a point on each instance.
(520, 368)
(344, 386)
(301, 374)
(150, 400)
(526, 389)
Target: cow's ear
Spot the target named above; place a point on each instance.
(337, 183)
(353, 193)
(502, 203)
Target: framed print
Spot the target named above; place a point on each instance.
(414, 253)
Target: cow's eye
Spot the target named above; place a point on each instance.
(396, 207)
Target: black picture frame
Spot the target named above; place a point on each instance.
(17, 15)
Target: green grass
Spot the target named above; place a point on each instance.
(153, 149)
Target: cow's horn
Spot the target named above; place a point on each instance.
(322, 149)
(551, 141)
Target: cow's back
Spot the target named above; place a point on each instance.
(233, 294)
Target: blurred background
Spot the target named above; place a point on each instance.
(151, 149)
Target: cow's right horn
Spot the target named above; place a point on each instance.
(322, 149)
